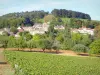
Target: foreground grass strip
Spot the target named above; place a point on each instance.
(31, 63)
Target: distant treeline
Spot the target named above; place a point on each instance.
(70, 14)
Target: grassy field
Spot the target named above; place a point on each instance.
(31, 63)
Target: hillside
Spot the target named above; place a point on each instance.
(30, 18)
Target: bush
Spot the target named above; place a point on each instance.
(95, 47)
(80, 48)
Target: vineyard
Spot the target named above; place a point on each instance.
(31, 63)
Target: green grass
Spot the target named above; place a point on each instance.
(31, 63)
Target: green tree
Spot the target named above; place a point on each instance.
(51, 31)
(86, 40)
(3, 41)
(14, 30)
(56, 45)
(67, 38)
(95, 47)
(11, 42)
(76, 37)
(37, 37)
(31, 44)
(44, 44)
(26, 35)
(21, 43)
(49, 18)
(97, 32)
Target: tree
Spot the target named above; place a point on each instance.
(70, 14)
(95, 47)
(3, 41)
(11, 42)
(97, 32)
(56, 45)
(67, 31)
(59, 37)
(67, 44)
(43, 44)
(49, 18)
(76, 37)
(67, 38)
(26, 35)
(86, 40)
(51, 31)
(21, 43)
(31, 44)
(14, 30)
(37, 37)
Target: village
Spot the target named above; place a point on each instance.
(42, 28)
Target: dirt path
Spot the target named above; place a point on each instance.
(5, 68)
(67, 53)
(72, 53)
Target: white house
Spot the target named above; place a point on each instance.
(59, 27)
(37, 28)
(83, 30)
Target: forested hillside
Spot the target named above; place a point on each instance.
(61, 15)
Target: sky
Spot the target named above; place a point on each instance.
(90, 7)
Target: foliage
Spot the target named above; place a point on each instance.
(14, 30)
(21, 43)
(56, 45)
(97, 32)
(11, 42)
(95, 47)
(59, 36)
(26, 35)
(3, 41)
(67, 44)
(31, 44)
(70, 14)
(5, 33)
(37, 37)
(43, 44)
(31, 63)
(49, 18)
(51, 31)
(86, 40)
(76, 37)
(81, 39)
(80, 48)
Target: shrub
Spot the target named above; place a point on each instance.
(95, 47)
(80, 48)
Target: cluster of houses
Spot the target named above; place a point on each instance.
(83, 30)
(42, 28)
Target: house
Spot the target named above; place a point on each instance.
(20, 29)
(36, 28)
(83, 30)
(59, 27)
